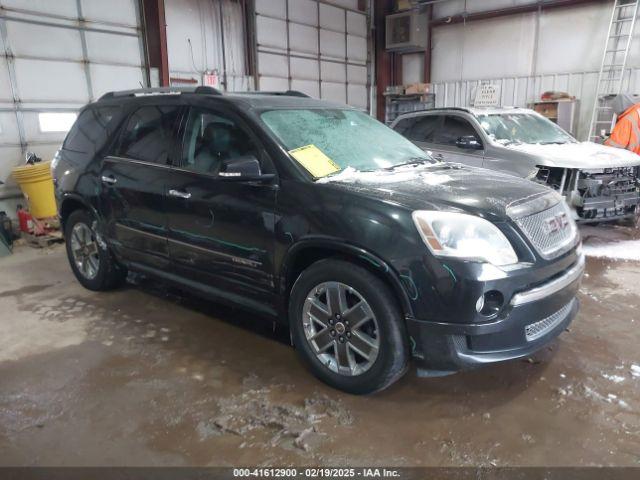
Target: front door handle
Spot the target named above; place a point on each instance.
(179, 193)
(109, 179)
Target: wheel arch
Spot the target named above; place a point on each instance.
(305, 253)
(69, 204)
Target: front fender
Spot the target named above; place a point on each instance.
(339, 247)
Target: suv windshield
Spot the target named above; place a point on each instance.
(509, 128)
(347, 137)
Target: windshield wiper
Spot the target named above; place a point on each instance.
(557, 142)
(412, 161)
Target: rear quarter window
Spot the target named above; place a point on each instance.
(91, 130)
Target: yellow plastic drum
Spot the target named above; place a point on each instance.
(36, 184)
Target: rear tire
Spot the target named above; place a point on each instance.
(90, 259)
(347, 327)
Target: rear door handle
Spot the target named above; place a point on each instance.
(179, 193)
(110, 179)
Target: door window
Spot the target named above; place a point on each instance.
(149, 134)
(453, 128)
(213, 140)
(419, 129)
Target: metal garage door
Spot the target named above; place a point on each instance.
(56, 56)
(205, 36)
(313, 46)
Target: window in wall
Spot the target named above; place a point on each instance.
(149, 134)
(50, 122)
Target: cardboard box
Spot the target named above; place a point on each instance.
(417, 88)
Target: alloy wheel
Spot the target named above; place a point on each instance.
(341, 328)
(84, 249)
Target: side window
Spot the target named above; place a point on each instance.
(148, 135)
(211, 140)
(424, 129)
(91, 130)
(405, 125)
(454, 127)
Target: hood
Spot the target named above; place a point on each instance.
(583, 155)
(442, 186)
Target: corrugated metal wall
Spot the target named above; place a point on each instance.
(56, 56)
(526, 53)
(520, 91)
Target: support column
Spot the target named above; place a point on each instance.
(155, 38)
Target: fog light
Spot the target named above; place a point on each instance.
(490, 303)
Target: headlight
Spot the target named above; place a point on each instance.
(463, 236)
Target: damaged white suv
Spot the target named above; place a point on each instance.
(600, 183)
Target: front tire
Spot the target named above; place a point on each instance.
(347, 327)
(90, 259)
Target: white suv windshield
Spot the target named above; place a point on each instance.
(510, 128)
(348, 137)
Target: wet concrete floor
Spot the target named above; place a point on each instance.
(147, 376)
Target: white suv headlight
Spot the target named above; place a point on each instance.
(459, 235)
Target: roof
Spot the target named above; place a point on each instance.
(252, 100)
(498, 110)
(262, 101)
(473, 111)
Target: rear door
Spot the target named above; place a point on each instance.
(221, 228)
(134, 180)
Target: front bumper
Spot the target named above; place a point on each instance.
(532, 319)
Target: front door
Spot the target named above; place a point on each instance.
(133, 182)
(221, 229)
(444, 142)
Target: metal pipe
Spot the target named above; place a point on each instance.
(224, 55)
(13, 85)
(501, 12)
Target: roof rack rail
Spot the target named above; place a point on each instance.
(287, 93)
(141, 92)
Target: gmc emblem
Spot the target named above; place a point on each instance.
(556, 223)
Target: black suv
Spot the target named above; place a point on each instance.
(323, 218)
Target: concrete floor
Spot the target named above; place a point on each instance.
(146, 376)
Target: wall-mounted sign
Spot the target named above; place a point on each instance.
(487, 95)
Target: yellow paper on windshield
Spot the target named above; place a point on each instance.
(314, 161)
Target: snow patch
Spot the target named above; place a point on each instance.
(635, 370)
(613, 378)
(625, 250)
(352, 175)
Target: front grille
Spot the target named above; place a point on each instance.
(549, 243)
(538, 329)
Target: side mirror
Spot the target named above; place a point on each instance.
(468, 142)
(245, 168)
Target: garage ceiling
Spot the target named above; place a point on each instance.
(54, 58)
(315, 47)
